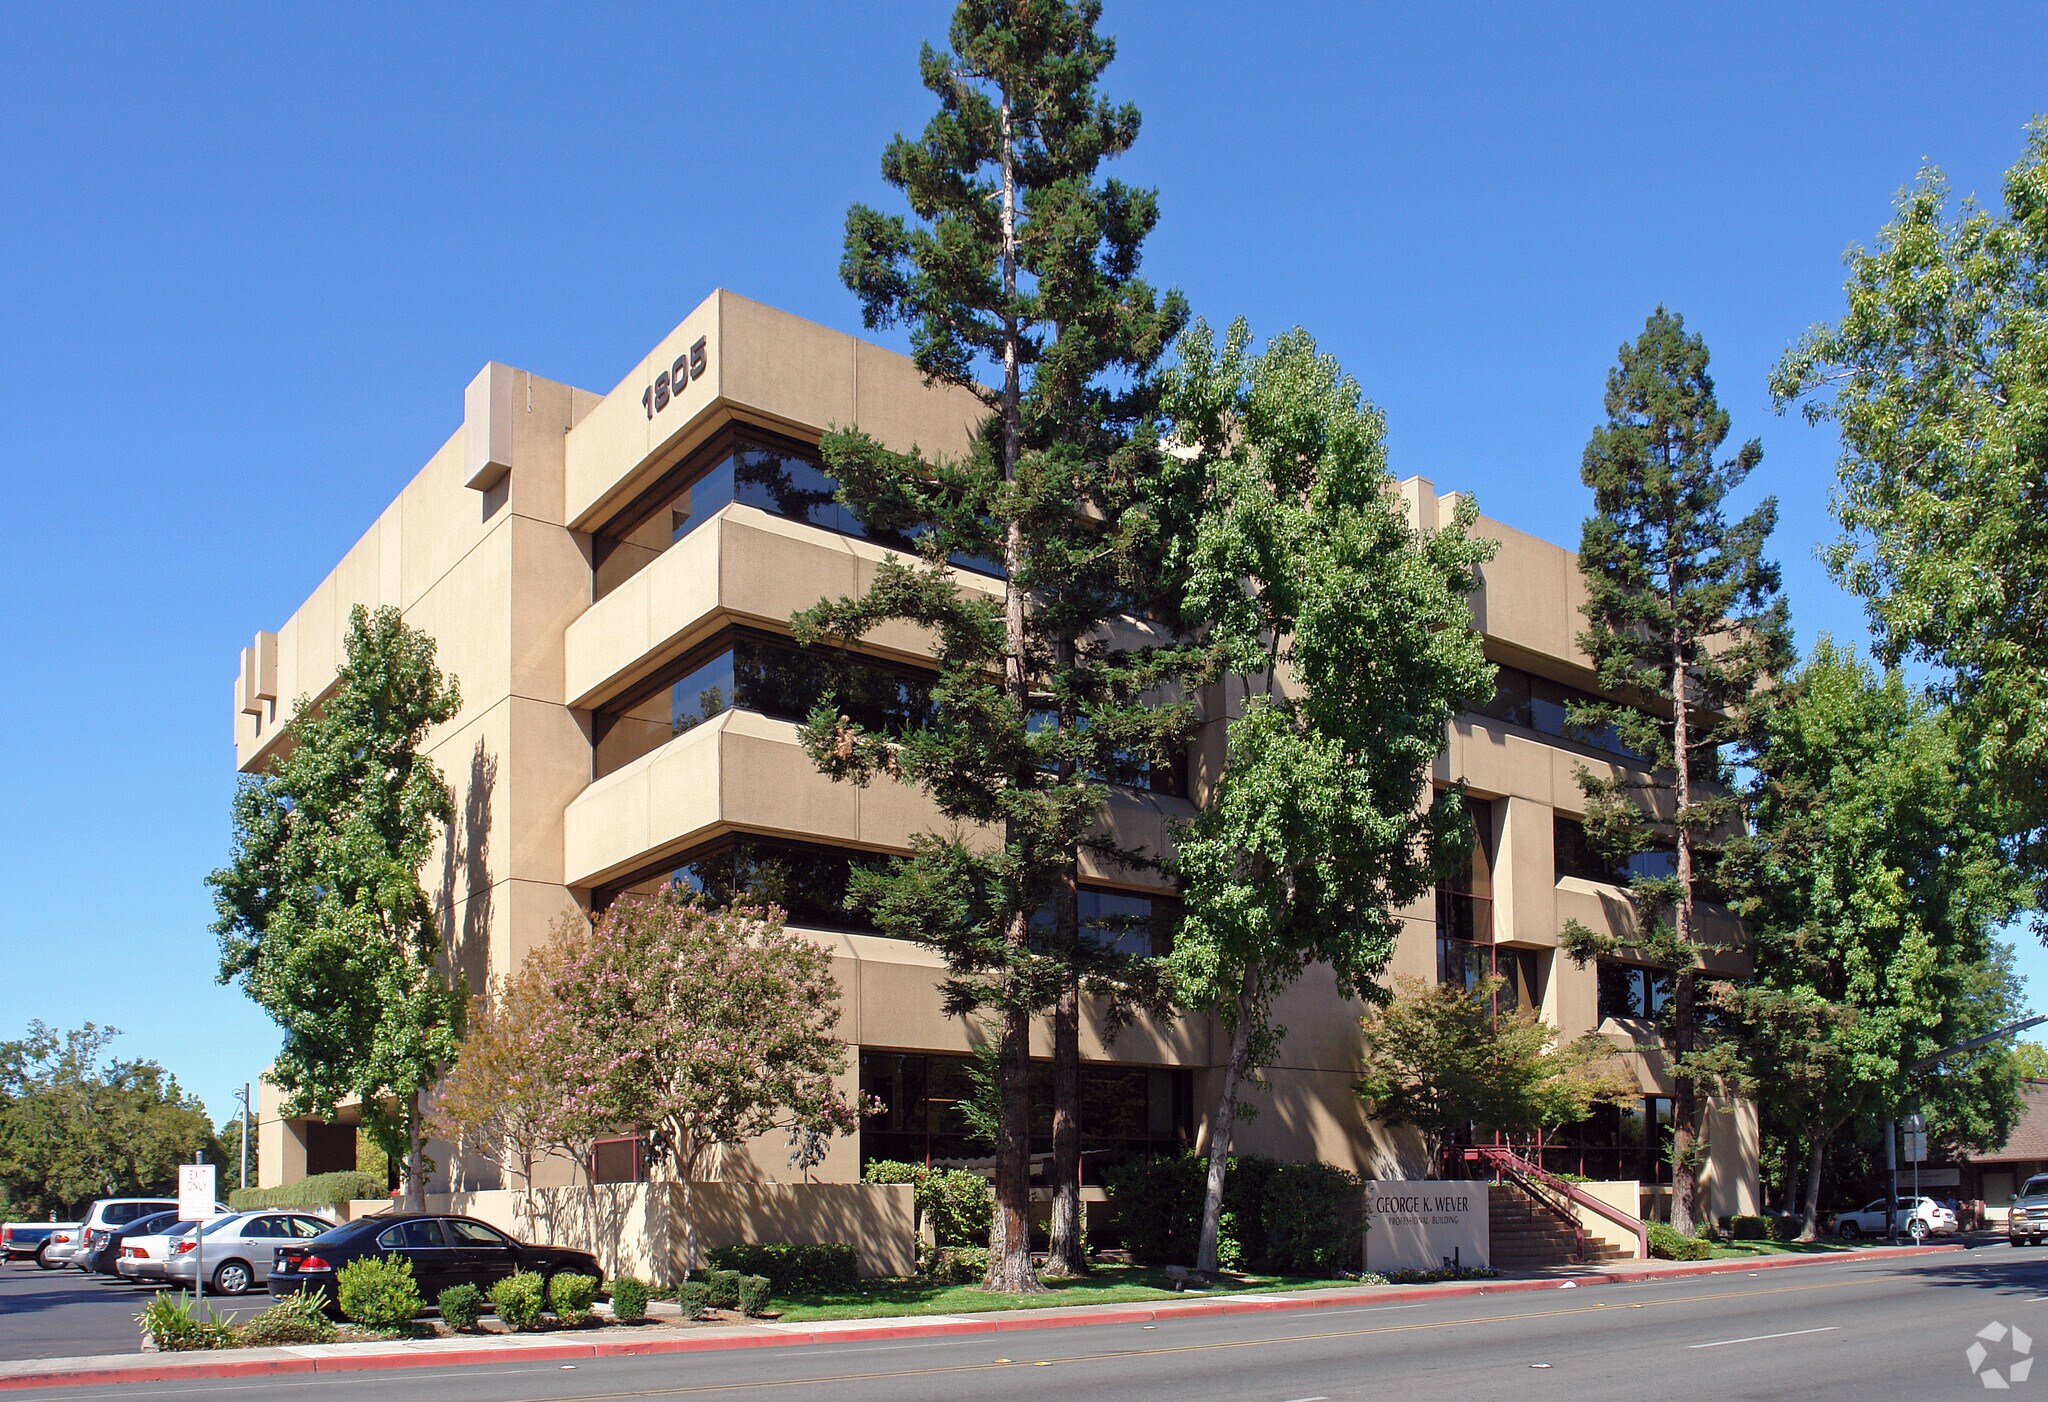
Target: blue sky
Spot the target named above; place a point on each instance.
(250, 256)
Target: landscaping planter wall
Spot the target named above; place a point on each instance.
(636, 1228)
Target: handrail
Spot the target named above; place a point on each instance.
(1509, 1162)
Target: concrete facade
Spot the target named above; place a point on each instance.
(554, 550)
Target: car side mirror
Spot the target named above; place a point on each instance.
(2012, 1197)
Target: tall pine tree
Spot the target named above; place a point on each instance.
(1019, 259)
(1685, 622)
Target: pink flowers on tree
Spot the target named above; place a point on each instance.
(707, 1027)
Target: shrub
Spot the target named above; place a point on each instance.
(1310, 1214)
(956, 1265)
(958, 1203)
(461, 1306)
(320, 1190)
(1669, 1245)
(294, 1319)
(571, 1294)
(168, 1322)
(724, 1286)
(694, 1297)
(1158, 1207)
(753, 1294)
(1787, 1227)
(1430, 1277)
(378, 1292)
(1748, 1228)
(519, 1299)
(792, 1267)
(629, 1300)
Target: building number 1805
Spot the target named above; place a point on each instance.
(690, 365)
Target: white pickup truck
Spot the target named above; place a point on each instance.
(1922, 1217)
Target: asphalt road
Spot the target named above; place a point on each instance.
(62, 1314)
(1870, 1330)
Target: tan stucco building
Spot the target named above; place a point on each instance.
(611, 578)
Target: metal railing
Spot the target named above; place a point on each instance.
(1553, 1193)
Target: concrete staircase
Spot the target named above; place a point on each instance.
(1529, 1237)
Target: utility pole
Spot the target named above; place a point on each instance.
(244, 1098)
(1928, 1063)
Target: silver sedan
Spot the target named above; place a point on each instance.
(239, 1248)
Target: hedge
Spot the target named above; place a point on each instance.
(321, 1190)
(1670, 1245)
(791, 1267)
(1293, 1218)
(959, 1204)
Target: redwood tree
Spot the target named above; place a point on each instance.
(1685, 623)
(1020, 262)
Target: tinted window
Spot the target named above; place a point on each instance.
(1544, 706)
(424, 1231)
(307, 1226)
(467, 1233)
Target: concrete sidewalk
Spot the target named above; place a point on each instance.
(661, 1339)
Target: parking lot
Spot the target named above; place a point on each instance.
(60, 1314)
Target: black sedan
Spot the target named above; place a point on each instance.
(444, 1251)
(103, 1245)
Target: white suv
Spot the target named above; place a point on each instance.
(104, 1215)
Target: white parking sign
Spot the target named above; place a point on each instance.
(195, 1191)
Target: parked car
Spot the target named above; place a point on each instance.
(24, 1241)
(240, 1248)
(102, 1215)
(142, 1258)
(444, 1251)
(103, 1246)
(1917, 1218)
(56, 1253)
(2026, 1223)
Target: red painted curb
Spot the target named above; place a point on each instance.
(200, 1369)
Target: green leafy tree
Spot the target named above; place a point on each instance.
(1936, 378)
(2032, 1060)
(322, 918)
(1021, 258)
(1349, 634)
(1869, 894)
(1685, 622)
(230, 1159)
(1440, 1058)
(76, 1125)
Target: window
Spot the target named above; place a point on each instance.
(1126, 1111)
(1577, 856)
(421, 1232)
(1539, 704)
(1628, 1139)
(760, 672)
(467, 1233)
(1631, 990)
(754, 468)
(620, 1159)
(809, 882)
(1129, 768)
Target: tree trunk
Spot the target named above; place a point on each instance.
(1065, 1256)
(1810, 1228)
(1009, 1264)
(1684, 982)
(1009, 1237)
(413, 1188)
(1225, 1124)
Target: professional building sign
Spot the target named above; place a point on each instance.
(692, 364)
(1426, 1226)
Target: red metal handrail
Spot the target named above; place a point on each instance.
(1511, 1164)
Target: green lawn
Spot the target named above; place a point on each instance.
(1105, 1285)
(1748, 1250)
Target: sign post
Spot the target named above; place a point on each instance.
(1916, 1150)
(195, 1203)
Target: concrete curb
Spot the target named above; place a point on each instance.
(62, 1372)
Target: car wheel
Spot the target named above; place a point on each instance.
(1917, 1230)
(43, 1260)
(1847, 1231)
(231, 1279)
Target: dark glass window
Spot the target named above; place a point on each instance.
(1131, 769)
(757, 672)
(807, 880)
(1539, 704)
(1576, 856)
(1631, 1139)
(781, 477)
(1631, 990)
(1120, 920)
(1127, 1112)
